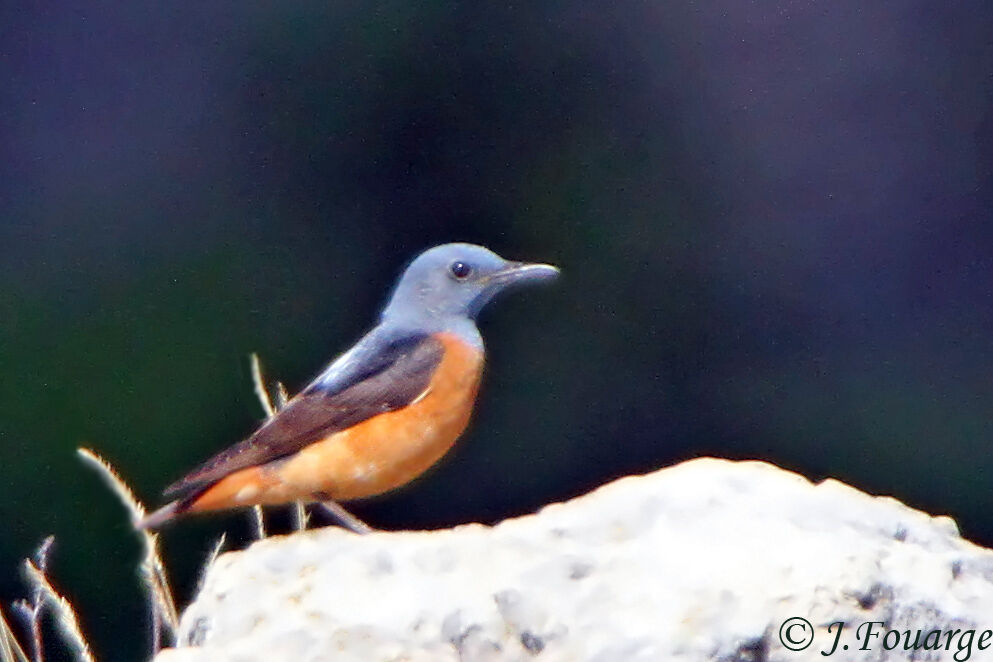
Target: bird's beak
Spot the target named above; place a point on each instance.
(519, 273)
(511, 275)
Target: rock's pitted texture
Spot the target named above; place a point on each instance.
(702, 561)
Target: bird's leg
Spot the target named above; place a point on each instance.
(345, 518)
(300, 516)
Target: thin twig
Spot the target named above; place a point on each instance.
(65, 617)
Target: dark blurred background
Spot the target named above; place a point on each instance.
(773, 221)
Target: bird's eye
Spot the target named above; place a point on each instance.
(461, 270)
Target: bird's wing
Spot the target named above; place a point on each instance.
(376, 377)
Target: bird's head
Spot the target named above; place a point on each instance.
(454, 281)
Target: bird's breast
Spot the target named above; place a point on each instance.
(392, 448)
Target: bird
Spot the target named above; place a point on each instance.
(381, 413)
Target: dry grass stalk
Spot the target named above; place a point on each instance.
(263, 395)
(32, 611)
(42, 595)
(65, 617)
(300, 517)
(211, 558)
(10, 648)
(282, 396)
(260, 389)
(152, 569)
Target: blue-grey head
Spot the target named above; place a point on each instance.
(445, 287)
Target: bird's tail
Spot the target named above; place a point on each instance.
(160, 516)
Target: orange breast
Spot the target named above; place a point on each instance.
(372, 457)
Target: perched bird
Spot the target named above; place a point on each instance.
(382, 412)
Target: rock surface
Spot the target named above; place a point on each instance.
(701, 561)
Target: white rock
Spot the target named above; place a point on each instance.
(701, 561)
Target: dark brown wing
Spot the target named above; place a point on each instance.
(389, 377)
